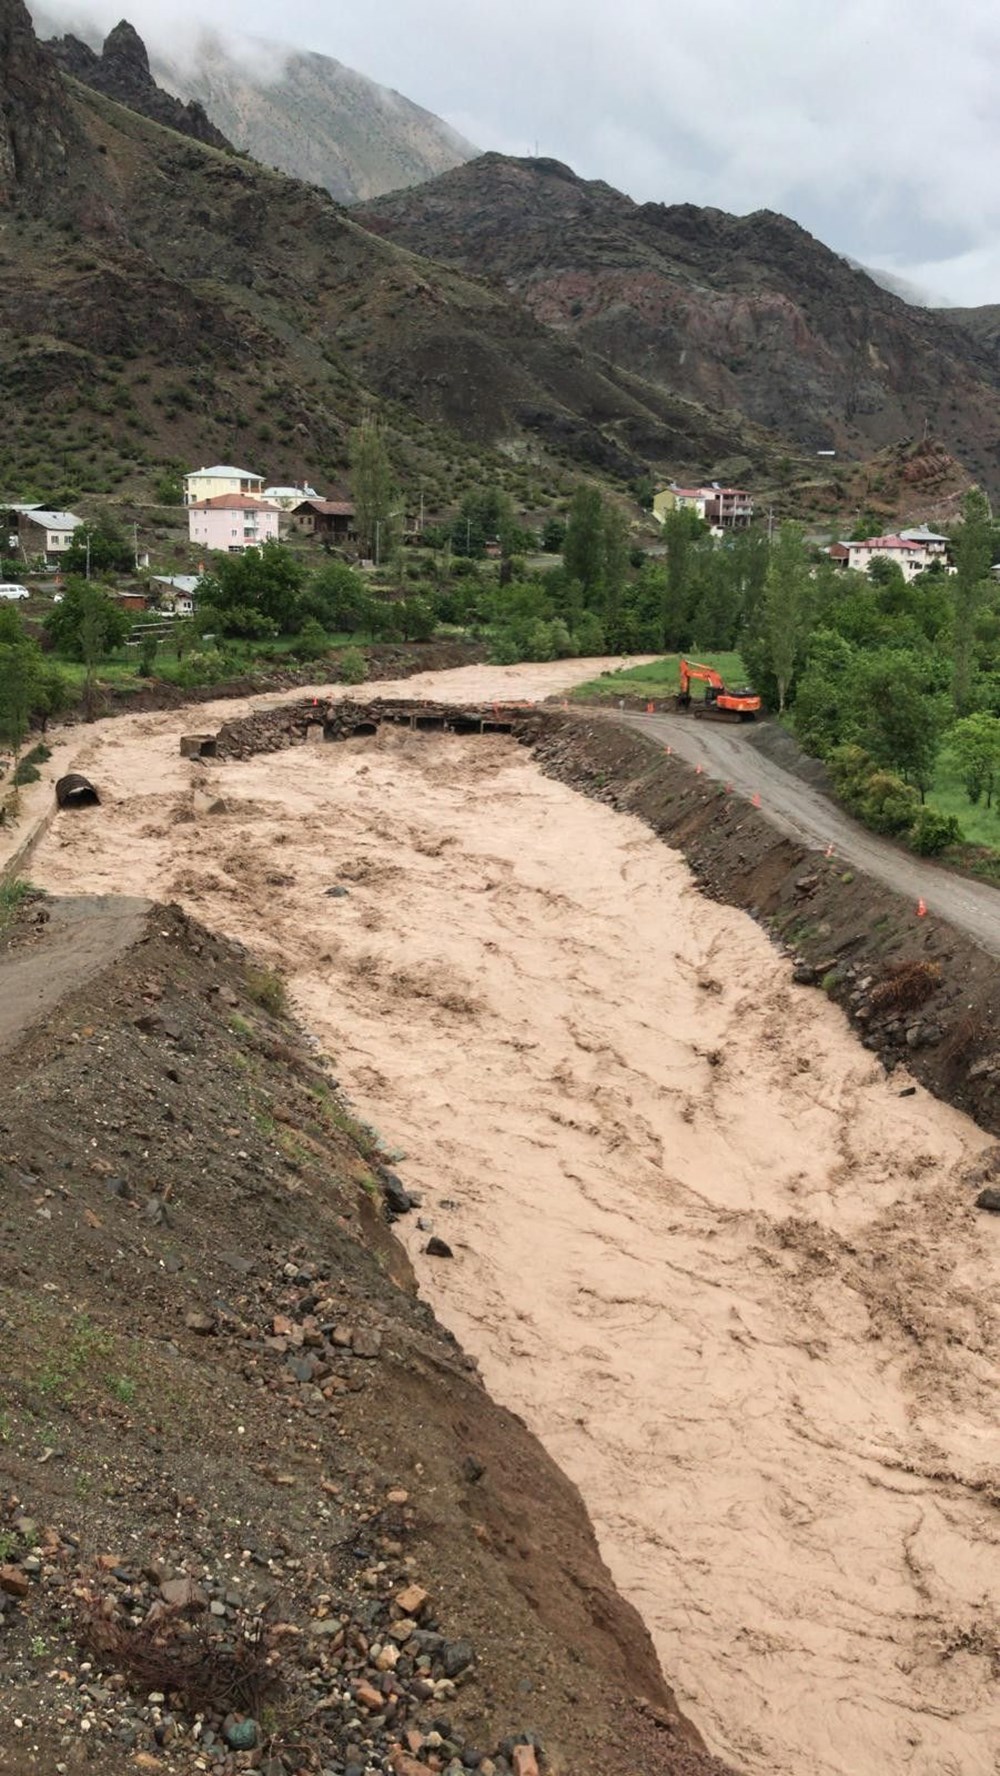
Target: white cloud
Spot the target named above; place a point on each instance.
(873, 122)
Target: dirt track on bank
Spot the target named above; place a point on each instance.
(804, 813)
(731, 1279)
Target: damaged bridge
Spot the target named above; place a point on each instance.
(316, 722)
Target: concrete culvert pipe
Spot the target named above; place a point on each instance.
(74, 791)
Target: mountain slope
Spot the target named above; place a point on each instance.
(314, 118)
(742, 313)
(160, 298)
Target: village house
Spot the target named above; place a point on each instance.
(329, 520)
(232, 522)
(175, 593)
(206, 484)
(724, 508)
(289, 497)
(41, 532)
(913, 551)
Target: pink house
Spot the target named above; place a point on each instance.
(232, 522)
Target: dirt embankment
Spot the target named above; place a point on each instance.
(252, 1494)
(917, 991)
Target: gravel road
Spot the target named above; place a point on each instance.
(803, 813)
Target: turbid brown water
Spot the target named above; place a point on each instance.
(729, 1276)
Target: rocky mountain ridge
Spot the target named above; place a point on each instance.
(745, 314)
(122, 71)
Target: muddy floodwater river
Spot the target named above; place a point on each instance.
(728, 1275)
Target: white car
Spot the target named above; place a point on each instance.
(9, 589)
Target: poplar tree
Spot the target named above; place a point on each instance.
(970, 585)
(374, 491)
(786, 605)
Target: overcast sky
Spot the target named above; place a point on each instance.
(875, 123)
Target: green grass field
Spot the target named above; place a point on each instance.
(122, 667)
(980, 825)
(660, 678)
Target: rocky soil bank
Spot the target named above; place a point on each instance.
(257, 1510)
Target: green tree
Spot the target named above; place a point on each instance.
(974, 744)
(614, 573)
(897, 712)
(970, 586)
(681, 530)
(313, 641)
(417, 619)
(258, 592)
(339, 599)
(583, 546)
(169, 489)
(553, 535)
(786, 606)
(374, 490)
(87, 623)
(102, 546)
(20, 674)
(822, 702)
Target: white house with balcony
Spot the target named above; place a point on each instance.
(206, 484)
(232, 522)
(289, 497)
(913, 551)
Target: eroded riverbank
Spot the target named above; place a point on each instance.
(728, 1275)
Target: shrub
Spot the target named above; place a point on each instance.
(887, 804)
(505, 650)
(353, 667)
(266, 989)
(905, 986)
(313, 641)
(933, 831)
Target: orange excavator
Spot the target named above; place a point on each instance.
(718, 703)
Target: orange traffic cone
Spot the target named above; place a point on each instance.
(829, 851)
(921, 908)
(755, 799)
(698, 770)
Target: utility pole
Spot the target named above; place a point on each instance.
(88, 554)
(770, 523)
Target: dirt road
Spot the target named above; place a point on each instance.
(728, 1275)
(803, 813)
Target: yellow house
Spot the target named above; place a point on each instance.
(206, 484)
(678, 499)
